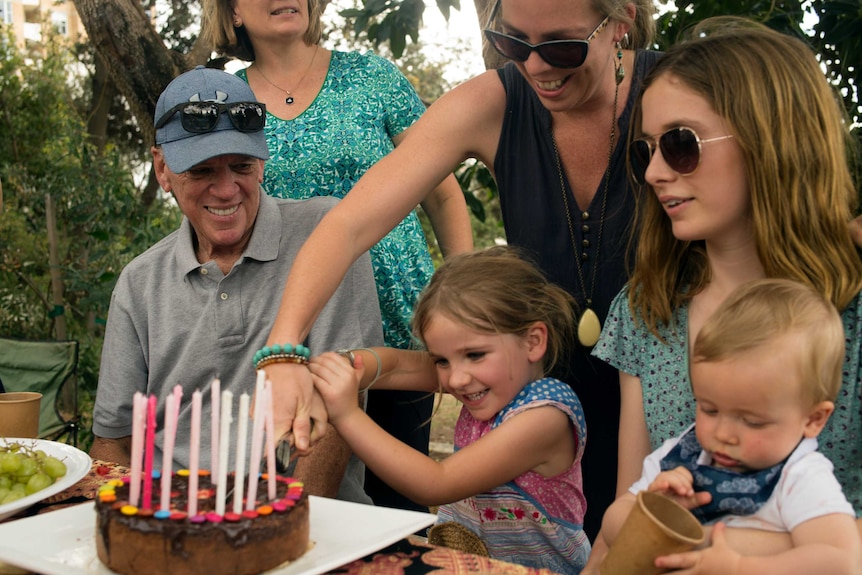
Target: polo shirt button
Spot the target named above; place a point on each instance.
(223, 296)
(204, 271)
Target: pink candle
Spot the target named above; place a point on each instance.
(241, 440)
(178, 400)
(194, 455)
(138, 417)
(215, 429)
(270, 440)
(168, 452)
(224, 442)
(148, 452)
(256, 442)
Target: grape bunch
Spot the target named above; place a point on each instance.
(24, 471)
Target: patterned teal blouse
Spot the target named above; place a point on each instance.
(365, 101)
(669, 404)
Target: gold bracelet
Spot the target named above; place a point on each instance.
(281, 358)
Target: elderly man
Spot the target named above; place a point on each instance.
(201, 302)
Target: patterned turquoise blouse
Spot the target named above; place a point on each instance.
(669, 404)
(365, 101)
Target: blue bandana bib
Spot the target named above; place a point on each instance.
(733, 493)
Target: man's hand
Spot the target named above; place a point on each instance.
(718, 559)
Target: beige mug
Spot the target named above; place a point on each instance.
(656, 526)
(19, 414)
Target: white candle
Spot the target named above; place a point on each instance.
(215, 388)
(139, 407)
(194, 456)
(256, 443)
(270, 440)
(242, 438)
(224, 442)
(168, 452)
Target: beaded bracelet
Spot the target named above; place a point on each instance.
(348, 354)
(285, 353)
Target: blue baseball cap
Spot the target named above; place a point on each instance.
(184, 149)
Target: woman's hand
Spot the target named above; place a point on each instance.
(296, 411)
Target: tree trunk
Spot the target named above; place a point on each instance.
(139, 64)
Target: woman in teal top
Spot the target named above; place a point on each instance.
(331, 116)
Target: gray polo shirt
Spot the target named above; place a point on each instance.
(174, 321)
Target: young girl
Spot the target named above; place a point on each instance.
(492, 325)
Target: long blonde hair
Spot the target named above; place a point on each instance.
(793, 131)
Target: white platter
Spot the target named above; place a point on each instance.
(77, 463)
(64, 542)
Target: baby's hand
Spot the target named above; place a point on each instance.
(337, 382)
(718, 559)
(678, 484)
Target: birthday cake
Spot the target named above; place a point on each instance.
(135, 541)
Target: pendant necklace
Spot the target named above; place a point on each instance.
(589, 325)
(289, 100)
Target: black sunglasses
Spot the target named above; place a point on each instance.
(202, 117)
(680, 147)
(557, 53)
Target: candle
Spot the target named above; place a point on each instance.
(194, 456)
(215, 387)
(168, 453)
(224, 442)
(138, 415)
(148, 452)
(242, 438)
(178, 400)
(270, 440)
(256, 442)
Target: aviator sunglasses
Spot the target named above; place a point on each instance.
(202, 117)
(680, 147)
(557, 53)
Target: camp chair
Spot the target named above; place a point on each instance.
(50, 368)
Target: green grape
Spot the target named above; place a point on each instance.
(24, 471)
(13, 496)
(54, 467)
(37, 482)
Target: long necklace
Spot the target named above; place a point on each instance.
(289, 100)
(589, 325)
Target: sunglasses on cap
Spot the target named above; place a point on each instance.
(557, 53)
(680, 148)
(202, 117)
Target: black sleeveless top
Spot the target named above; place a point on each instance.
(535, 219)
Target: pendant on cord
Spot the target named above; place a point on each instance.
(589, 328)
(289, 100)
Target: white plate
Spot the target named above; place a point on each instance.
(64, 542)
(77, 463)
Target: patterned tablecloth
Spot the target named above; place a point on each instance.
(406, 557)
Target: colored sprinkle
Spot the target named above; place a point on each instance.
(129, 510)
(295, 484)
(162, 514)
(183, 472)
(249, 514)
(279, 506)
(126, 480)
(116, 482)
(177, 515)
(264, 509)
(119, 505)
(231, 517)
(198, 519)
(203, 472)
(145, 512)
(214, 517)
(156, 474)
(107, 497)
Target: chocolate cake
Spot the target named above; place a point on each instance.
(133, 541)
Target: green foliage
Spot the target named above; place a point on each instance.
(392, 21)
(45, 150)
